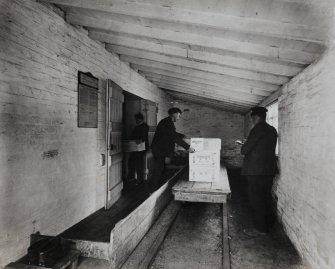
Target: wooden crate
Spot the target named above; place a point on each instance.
(204, 164)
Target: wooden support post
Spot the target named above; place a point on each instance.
(225, 238)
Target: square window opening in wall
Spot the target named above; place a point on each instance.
(272, 118)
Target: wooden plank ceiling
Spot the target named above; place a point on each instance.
(230, 54)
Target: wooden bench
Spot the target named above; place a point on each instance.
(208, 192)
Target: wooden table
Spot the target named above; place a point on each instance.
(209, 192)
(215, 192)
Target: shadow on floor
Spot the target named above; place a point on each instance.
(273, 251)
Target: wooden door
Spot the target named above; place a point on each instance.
(149, 110)
(114, 184)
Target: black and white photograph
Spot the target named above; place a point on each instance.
(167, 134)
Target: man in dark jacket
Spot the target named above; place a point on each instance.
(163, 145)
(136, 162)
(260, 166)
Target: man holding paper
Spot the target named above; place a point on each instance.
(260, 166)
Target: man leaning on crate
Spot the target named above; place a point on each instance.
(163, 145)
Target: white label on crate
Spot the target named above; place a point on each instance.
(204, 174)
(206, 144)
(204, 158)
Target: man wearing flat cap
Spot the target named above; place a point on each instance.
(260, 166)
(163, 145)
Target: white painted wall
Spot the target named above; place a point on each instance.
(202, 121)
(306, 184)
(50, 176)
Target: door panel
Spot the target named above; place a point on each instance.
(116, 110)
(149, 110)
(114, 144)
(115, 171)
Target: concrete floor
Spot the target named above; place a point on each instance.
(194, 240)
(273, 251)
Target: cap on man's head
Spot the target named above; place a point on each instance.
(258, 110)
(174, 110)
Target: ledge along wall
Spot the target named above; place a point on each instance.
(51, 176)
(202, 121)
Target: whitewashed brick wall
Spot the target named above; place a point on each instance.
(50, 176)
(306, 185)
(202, 121)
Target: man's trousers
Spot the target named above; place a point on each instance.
(136, 164)
(260, 198)
(156, 179)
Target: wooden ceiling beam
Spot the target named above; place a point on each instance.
(174, 75)
(197, 37)
(208, 67)
(136, 42)
(207, 16)
(205, 87)
(143, 64)
(208, 94)
(208, 102)
(258, 64)
(289, 45)
(205, 94)
(195, 95)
